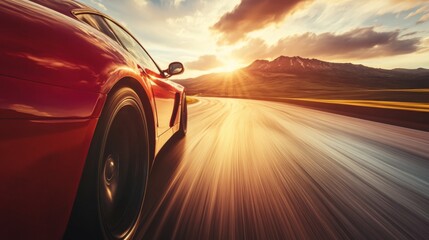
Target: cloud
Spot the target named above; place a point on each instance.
(423, 12)
(99, 5)
(141, 3)
(205, 62)
(423, 18)
(424, 46)
(418, 11)
(255, 48)
(177, 2)
(360, 43)
(251, 15)
(409, 1)
(409, 34)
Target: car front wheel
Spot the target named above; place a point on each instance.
(113, 185)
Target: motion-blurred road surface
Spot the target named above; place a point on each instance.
(262, 170)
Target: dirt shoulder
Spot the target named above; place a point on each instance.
(405, 114)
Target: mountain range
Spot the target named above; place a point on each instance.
(296, 77)
(303, 65)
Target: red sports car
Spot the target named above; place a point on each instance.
(84, 110)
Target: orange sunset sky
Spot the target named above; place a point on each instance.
(212, 36)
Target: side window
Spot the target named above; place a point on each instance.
(97, 22)
(135, 49)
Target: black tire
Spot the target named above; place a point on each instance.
(112, 188)
(183, 118)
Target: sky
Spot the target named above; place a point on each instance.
(223, 35)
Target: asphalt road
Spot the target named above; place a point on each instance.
(262, 170)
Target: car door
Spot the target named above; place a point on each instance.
(165, 96)
(163, 92)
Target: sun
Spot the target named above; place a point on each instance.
(230, 66)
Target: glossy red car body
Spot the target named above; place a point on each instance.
(55, 75)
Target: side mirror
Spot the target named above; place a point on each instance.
(175, 68)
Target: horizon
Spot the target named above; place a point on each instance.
(246, 66)
(223, 36)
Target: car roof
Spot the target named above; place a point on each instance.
(71, 7)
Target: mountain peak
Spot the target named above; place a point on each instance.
(285, 63)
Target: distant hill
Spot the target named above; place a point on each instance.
(304, 65)
(298, 77)
(299, 65)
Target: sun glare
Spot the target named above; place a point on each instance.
(230, 66)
